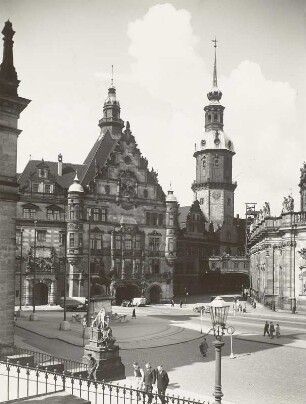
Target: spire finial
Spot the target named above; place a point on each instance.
(112, 80)
(215, 82)
(8, 76)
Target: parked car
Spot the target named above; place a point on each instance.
(203, 308)
(126, 303)
(139, 301)
(73, 304)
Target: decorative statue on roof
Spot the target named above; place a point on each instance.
(288, 204)
(266, 209)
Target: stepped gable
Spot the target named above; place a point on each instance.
(64, 181)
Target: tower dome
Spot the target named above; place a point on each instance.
(171, 197)
(76, 186)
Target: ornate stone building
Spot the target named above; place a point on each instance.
(278, 254)
(211, 241)
(11, 105)
(109, 215)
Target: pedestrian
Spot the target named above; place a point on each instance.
(134, 314)
(277, 331)
(271, 330)
(294, 309)
(244, 308)
(181, 303)
(203, 347)
(139, 374)
(266, 329)
(162, 381)
(91, 367)
(149, 379)
(172, 303)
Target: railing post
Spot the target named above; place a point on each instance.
(18, 378)
(8, 378)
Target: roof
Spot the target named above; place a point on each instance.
(217, 140)
(97, 156)
(183, 212)
(64, 181)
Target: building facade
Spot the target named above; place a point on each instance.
(107, 217)
(278, 254)
(11, 106)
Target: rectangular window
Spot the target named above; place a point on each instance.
(62, 238)
(96, 215)
(128, 243)
(99, 242)
(235, 265)
(41, 235)
(154, 244)
(92, 242)
(47, 189)
(49, 214)
(71, 240)
(171, 219)
(80, 240)
(71, 212)
(26, 213)
(35, 187)
(118, 243)
(103, 215)
(170, 245)
(137, 243)
(161, 219)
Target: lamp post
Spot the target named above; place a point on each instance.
(218, 312)
(34, 269)
(65, 325)
(88, 291)
(20, 279)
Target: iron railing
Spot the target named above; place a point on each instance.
(23, 381)
(42, 360)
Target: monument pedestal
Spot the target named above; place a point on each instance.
(101, 346)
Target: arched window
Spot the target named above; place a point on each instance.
(215, 117)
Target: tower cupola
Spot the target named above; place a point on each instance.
(111, 109)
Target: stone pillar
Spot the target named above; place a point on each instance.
(27, 295)
(51, 293)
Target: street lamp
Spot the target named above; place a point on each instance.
(20, 279)
(34, 269)
(89, 246)
(218, 312)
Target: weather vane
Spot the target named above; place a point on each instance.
(215, 42)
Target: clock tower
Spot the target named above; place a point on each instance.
(213, 187)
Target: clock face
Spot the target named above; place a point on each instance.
(216, 194)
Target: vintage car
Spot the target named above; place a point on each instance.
(139, 301)
(126, 303)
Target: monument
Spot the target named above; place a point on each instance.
(103, 349)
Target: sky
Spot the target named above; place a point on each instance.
(163, 54)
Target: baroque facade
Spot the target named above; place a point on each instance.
(277, 248)
(11, 106)
(211, 240)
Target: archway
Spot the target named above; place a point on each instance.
(154, 294)
(41, 294)
(126, 292)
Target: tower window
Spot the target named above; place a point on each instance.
(215, 117)
(71, 239)
(201, 201)
(228, 201)
(209, 118)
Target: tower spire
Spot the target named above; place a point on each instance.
(112, 79)
(8, 76)
(215, 81)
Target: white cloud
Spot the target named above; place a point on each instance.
(260, 114)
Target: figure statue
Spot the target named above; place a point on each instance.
(290, 204)
(267, 209)
(285, 205)
(106, 339)
(99, 320)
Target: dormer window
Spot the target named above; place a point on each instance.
(35, 187)
(48, 189)
(42, 172)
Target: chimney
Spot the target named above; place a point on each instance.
(60, 165)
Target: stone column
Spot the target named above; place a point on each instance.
(27, 295)
(51, 293)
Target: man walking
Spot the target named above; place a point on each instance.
(139, 374)
(162, 383)
(203, 347)
(266, 329)
(271, 330)
(91, 367)
(149, 378)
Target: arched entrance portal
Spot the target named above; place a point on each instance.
(127, 292)
(41, 294)
(155, 294)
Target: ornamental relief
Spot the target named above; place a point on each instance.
(73, 226)
(275, 246)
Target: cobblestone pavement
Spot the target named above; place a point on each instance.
(264, 370)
